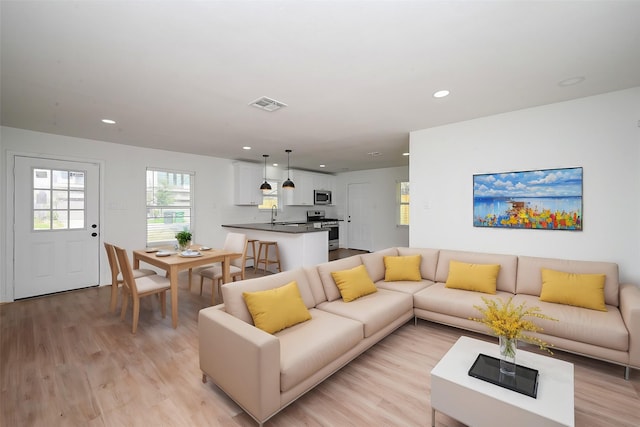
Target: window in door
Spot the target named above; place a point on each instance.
(169, 205)
(58, 199)
(403, 203)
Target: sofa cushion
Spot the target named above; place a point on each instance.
(601, 328)
(453, 302)
(308, 347)
(506, 280)
(473, 277)
(375, 262)
(353, 283)
(315, 284)
(428, 260)
(232, 292)
(330, 288)
(374, 311)
(402, 268)
(581, 290)
(530, 274)
(408, 287)
(276, 309)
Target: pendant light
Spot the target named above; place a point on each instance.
(265, 185)
(288, 183)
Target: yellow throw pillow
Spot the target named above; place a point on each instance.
(473, 277)
(276, 309)
(581, 290)
(402, 268)
(354, 283)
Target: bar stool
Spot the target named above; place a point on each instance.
(266, 261)
(251, 243)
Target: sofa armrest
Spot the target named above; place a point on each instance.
(242, 360)
(630, 310)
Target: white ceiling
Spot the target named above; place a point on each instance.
(357, 76)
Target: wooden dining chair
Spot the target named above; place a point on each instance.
(136, 288)
(116, 275)
(234, 242)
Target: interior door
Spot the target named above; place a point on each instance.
(359, 217)
(56, 232)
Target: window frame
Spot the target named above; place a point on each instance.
(402, 204)
(275, 188)
(190, 224)
(51, 191)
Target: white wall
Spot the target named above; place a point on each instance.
(123, 208)
(599, 133)
(123, 205)
(3, 238)
(383, 205)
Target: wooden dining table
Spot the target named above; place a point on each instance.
(175, 263)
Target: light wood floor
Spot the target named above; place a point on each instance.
(67, 361)
(344, 253)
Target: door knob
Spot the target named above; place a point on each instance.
(94, 225)
(94, 234)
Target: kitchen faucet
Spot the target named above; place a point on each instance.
(274, 213)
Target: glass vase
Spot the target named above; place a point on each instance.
(184, 245)
(508, 349)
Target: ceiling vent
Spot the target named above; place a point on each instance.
(267, 104)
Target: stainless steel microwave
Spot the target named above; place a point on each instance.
(321, 197)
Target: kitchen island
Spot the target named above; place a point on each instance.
(300, 244)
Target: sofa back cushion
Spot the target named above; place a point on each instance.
(330, 288)
(530, 274)
(506, 281)
(232, 292)
(428, 262)
(315, 284)
(374, 262)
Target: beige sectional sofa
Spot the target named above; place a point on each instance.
(265, 372)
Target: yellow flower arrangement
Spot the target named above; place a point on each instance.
(509, 320)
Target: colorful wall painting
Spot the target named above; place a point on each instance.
(547, 199)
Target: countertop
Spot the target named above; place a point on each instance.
(279, 227)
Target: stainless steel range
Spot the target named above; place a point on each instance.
(318, 219)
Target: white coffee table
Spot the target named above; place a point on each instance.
(476, 402)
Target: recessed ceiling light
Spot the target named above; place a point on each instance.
(246, 147)
(441, 93)
(571, 81)
(275, 165)
(405, 154)
(322, 166)
(374, 153)
(109, 121)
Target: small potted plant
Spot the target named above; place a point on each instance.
(184, 239)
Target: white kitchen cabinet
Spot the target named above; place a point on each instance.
(302, 195)
(247, 178)
(322, 182)
(305, 183)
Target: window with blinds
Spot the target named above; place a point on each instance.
(169, 205)
(403, 203)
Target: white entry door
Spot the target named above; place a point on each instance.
(56, 231)
(359, 217)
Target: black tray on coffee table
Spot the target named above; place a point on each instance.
(487, 368)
